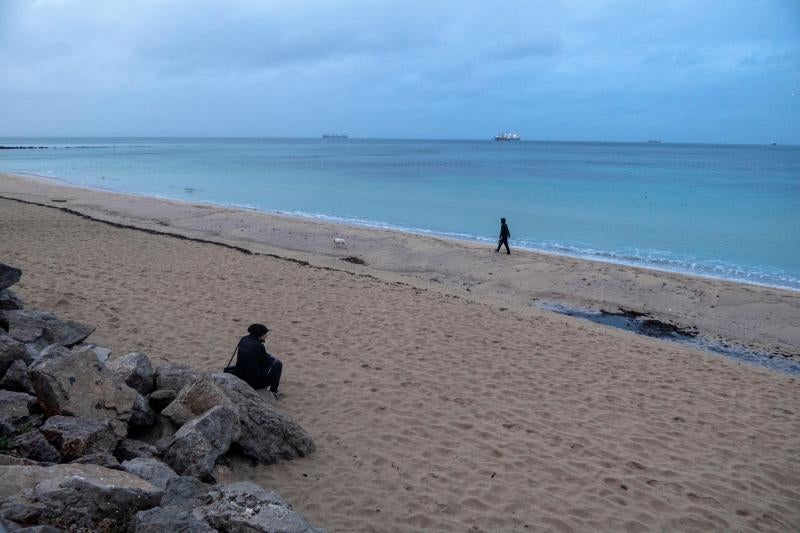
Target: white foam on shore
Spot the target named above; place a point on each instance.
(651, 259)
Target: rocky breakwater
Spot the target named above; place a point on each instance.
(91, 442)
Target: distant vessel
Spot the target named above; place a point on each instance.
(654, 141)
(507, 137)
(334, 136)
(773, 143)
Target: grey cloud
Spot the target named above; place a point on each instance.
(389, 66)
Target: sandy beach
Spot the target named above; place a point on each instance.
(440, 398)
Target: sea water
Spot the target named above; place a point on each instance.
(725, 211)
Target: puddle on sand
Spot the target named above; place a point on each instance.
(645, 325)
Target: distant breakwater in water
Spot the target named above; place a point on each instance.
(719, 211)
(48, 147)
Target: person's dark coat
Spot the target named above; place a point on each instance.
(252, 360)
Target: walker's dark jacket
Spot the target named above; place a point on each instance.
(252, 358)
(504, 233)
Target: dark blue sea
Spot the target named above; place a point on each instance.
(724, 211)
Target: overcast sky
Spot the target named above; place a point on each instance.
(692, 71)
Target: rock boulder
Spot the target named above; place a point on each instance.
(41, 328)
(169, 519)
(267, 435)
(151, 470)
(245, 506)
(33, 445)
(135, 370)
(51, 351)
(181, 496)
(76, 436)
(102, 353)
(128, 449)
(15, 406)
(8, 275)
(73, 497)
(159, 399)
(195, 399)
(194, 449)
(16, 378)
(78, 384)
(190, 506)
(10, 350)
(9, 300)
(174, 377)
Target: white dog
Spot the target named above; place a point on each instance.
(339, 242)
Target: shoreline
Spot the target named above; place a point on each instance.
(467, 268)
(598, 256)
(433, 408)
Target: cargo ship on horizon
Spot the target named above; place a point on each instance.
(507, 137)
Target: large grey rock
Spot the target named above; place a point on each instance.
(10, 350)
(160, 399)
(74, 496)
(142, 414)
(151, 470)
(166, 519)
(267, 435)
(15, 412)
(245, 506)
(9, 300)
(8, 275)
(33, 445)
(175, 377)
(128, 449)
(188, 506)
(41, 328)
(102, 353)
(15, 406)
(16, 378)
(135, 370)
(195, 399)
(76, 436)
(270, 436)
(78, 384)
(176, 512)
(185, 492)
(194, 449)
(51, 351)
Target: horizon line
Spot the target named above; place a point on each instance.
(349, 137)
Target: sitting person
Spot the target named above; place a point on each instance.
(254, 365)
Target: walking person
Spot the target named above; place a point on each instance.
(504, 235)
(254, 364)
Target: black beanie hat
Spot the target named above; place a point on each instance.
(257, 330)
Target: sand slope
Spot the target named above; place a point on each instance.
(433, 412)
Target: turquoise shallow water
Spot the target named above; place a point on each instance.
(725, 211)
